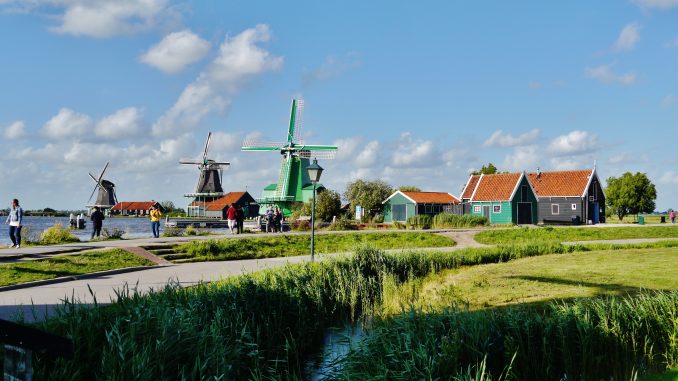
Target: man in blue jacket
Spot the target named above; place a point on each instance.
(14, 219)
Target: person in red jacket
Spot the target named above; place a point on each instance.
(231, 215)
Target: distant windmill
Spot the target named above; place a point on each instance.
(209, 183)
(293, 183)
(106, 198)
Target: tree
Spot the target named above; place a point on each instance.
(167, 205)
(489, 169)
(327, 206)
(368, 194)
(630, 194)
(409, 188)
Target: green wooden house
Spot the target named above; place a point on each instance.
(504, 198)
(401, 205)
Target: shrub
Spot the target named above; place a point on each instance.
(419, 221)
(172, 231)
(448, 220)
(343, 223)
(57, 234)
(112, 233)
(378, 219)
(399, 225)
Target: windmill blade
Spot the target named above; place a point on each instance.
(207, 146)
(101, 176)
(92, 195)
(190, 162)
(298, 120)
(317, 147)
(256, 145)
(313, 154)
(221, 163)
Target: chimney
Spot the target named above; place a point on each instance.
(538, 172)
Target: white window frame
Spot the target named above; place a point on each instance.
(557, 209)
(477, 209)
(495, 210)
(574, 206)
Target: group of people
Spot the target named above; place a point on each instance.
(98, 218)
(273, 220)
(236, 218)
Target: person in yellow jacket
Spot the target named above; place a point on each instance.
(155, 220)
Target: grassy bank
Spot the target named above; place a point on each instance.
(523, 235)
(68, 265)
(268, 324)
(292, 245)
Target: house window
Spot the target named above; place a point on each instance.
(555, 209)
(574, 206)
(476, 209)
(496, 209)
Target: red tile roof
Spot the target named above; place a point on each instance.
(133, 205)
(560, 183)
(225, 201)
(432, 197)
(470, 187)
(497, 187)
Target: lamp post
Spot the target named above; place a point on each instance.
(314, 172)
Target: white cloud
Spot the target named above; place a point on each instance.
(239, 58)
(67, 124)
(331, 67)
(15, 130)
(673, 43)
(413, 152)
(565, 164)
(501, 139)
(368, 156)
(669, 100)
(108, 18)
(658, 4)
(121, 124)
(576, 142)
(605, 74)
(347, 147)
(176, 51)
(522, 158)
(223, 142)
(669, 177)
(628, 38)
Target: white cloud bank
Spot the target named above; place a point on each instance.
(239, 58)
(67, 124)
(628, 38)
(15, 130)
(574, 143)
(604, 74)
(123, 123)
(656, 4)
(501, 139)
(176, 51)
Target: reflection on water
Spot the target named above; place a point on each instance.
(337, 343)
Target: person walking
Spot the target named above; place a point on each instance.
(14, 220)
(97, 222)
(240, 220)
(672, 216)
(270, 221)
(278, 220)
(155, 220)
(231, 215)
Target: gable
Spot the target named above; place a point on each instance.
(560, 183)
(470, 187)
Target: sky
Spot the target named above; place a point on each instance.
(411, 94)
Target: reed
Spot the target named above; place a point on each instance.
(448, 220)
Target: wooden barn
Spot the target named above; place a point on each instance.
(569, 196)
(504, 198)
(401, 205)
(242, 200)
(134, 208)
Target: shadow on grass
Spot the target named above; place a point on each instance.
(601, 289)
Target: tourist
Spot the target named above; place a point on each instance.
(278, 220)
(672, 216)
(14, 220)
(270, 221)
(97, 221)
(240, 220)
(231, 215)
(155, 220)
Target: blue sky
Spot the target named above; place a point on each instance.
(412, 95)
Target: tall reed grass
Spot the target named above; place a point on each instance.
(448, 220)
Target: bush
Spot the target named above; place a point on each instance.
(448, 220)
(192, 231)
(172, 231)
(399, 225)
(57, 234)
(112, 233)
(419, 221)
(343, 223)
(378, 219)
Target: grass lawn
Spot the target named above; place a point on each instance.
(291, 245)
(669, 375)
(544, 278)
(523, 235)
(76, 264)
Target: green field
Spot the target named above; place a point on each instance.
(68, 265)
(293, 245)
(544, 278)
(569, 234)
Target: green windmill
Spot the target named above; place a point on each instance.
(294, 185)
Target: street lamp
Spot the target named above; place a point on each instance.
(314, 172)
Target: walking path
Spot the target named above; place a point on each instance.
(41, 300)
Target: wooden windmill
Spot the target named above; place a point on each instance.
(293, 184)
(209, 183)
(106, 198)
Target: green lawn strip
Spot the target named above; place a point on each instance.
(292, 245)
(669, 375)
(68, 265)
(544, 278)
(522, 235)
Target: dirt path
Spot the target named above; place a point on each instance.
(464, 239)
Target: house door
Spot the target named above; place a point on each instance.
(596, 213)
(524, 213)
(486, 212)
(399, 212)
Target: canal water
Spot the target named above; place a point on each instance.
(133, 227)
